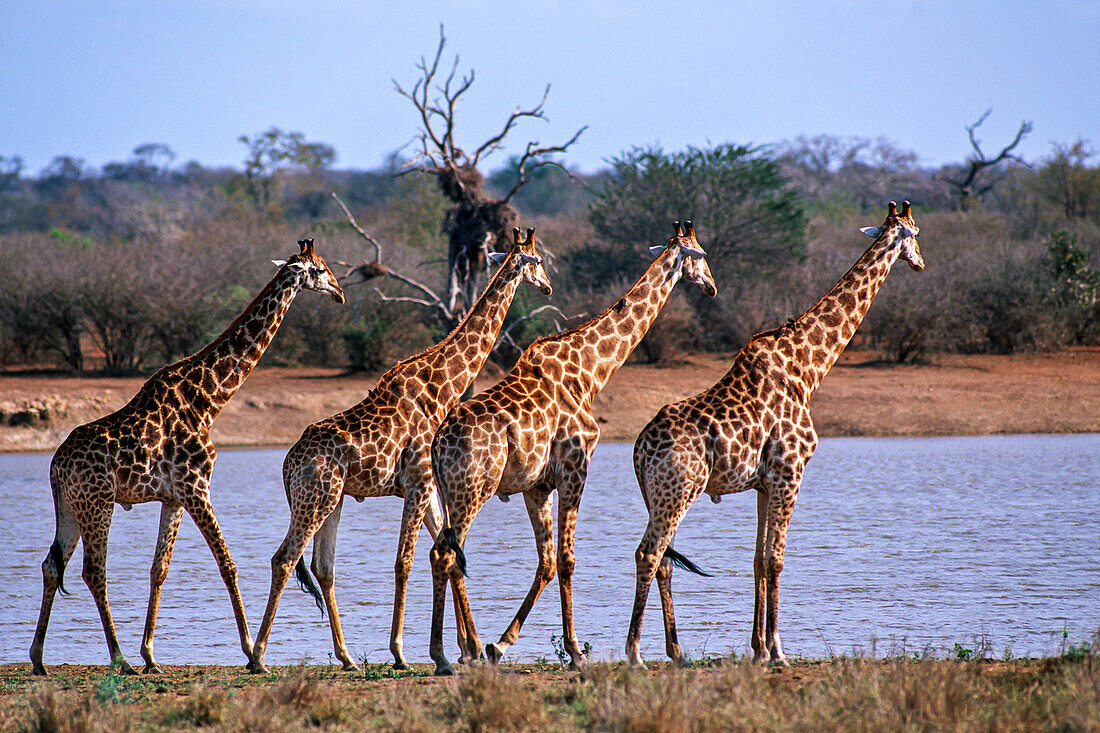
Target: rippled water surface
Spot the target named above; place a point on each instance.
(896, 545)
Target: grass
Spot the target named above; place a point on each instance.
(900, 694)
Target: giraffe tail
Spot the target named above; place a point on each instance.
(57, 557)
(450, 540)
(682, 562)
(305, 582)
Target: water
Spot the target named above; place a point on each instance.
(897, 545)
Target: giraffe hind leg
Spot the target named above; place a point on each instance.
(324, 568)
(540, 507)
(53, 570)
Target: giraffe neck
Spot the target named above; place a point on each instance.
(604, 343)
(827, 328)
(215, 373)
(451, 365)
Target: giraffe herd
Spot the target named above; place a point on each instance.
(532, 433)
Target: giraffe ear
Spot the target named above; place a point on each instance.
(657, 249)
(872, 232)
(278, 263)
(499, 257)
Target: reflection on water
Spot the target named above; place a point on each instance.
(896, 545)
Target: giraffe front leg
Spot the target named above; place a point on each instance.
(540, 506)
(324, 568)
(774, 516)
(570, 497)
(411, 519)
(95, 576)
(420, 500)
(203, 515)
(170, 517)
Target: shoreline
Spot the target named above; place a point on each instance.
(950, 395)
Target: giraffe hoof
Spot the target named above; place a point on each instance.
(351, 667)
(126, 669)
(151, 668)
(257, 667)
(38, 670)
(444, 670)
(400, 665)
(494, 653)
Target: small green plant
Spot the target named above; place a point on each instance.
(558, 642)
(115, 687)
(963, 654)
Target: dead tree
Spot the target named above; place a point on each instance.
(976, 179)
(476, 222)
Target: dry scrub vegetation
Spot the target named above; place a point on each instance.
(840, 694)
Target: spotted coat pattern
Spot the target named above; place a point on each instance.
(382, 447)
(158, 448)
(752, 430)
(534, 432)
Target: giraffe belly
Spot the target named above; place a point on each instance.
(137, 485)
(731, 478)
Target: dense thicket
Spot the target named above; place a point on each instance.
(127, 267)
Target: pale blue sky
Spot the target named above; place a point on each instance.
(95, 79)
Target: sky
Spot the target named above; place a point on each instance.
(97, 78)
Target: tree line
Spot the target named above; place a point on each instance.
(125, 268)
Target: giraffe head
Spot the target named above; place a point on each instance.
(690, 257)
(313, 271)
(525, 261)
(899, 231)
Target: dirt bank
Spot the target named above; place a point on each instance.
(951, 395)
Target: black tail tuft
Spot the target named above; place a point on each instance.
(58, 559)
(305, 582)
(682, 562)
(450, 539)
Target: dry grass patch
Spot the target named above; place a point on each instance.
(1060, 694)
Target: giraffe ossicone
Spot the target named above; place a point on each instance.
(157, 448)
(752, 430)
(382, 447)
(533, 433)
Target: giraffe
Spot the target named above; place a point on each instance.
(157, 448)
(534, 432)
(382, 447)
(752, 430)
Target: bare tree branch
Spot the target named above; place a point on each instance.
(505, 336)
(522, 171)
(370, 270)
(355, 225)
(978, 162)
